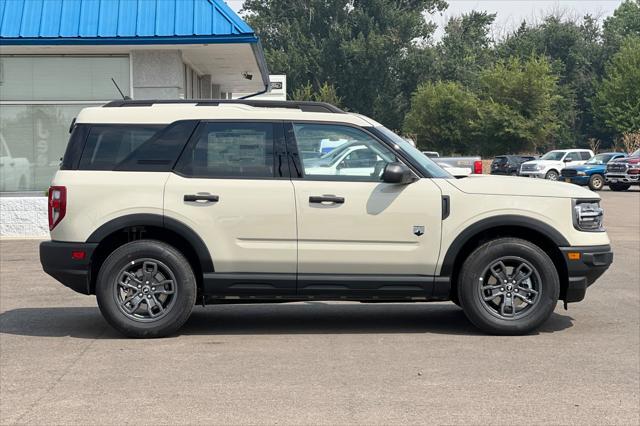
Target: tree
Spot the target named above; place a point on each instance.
(518, 112)
(359, 47)
(618, 98)
(326, 93)
(465, 47)
(443, 117)
(625, 22)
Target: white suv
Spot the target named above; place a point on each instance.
(551, 164)
(161, 205)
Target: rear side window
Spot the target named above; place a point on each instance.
(585, 155)
(139, 147)
(222, 150)
(108, 145)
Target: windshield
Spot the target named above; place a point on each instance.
(636, 153)
(553, 156)
(416, 155)
(600, 159)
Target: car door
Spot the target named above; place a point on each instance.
(356, 234)
(231, 186)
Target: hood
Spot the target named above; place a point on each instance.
(512, 185)
(628, 160)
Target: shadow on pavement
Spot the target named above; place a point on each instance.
(298, 318)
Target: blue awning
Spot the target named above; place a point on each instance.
(120, 22)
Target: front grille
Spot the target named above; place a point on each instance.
(569, 172)
(528, 168)
(617, 168)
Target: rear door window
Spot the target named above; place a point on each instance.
(229, 150)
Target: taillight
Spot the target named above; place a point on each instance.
(57, 205)
(477, 167)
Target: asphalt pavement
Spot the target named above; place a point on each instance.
(322, 363)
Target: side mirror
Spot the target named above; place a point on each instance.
(398, 173)
(567, 160)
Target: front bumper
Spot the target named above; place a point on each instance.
(539, 175)
(57, 260)
(578, 180)
(615, 178)
(583, 271)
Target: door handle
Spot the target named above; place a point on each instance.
(204, 197)
(326, 199)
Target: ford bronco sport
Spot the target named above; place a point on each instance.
(159, 205)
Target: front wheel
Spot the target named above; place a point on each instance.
(552, 175)
(508, 286)
(146, 288)
(596, 182)
(619, 186)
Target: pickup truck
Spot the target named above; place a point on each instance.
(457, 166)
(624, 172)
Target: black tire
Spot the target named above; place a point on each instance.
(619, 186)
(543, 279)
(552, 175)
(596, 182)
(178, 292)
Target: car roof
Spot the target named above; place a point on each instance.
(168, 111)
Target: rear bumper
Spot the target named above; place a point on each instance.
(57, 261)
(592, 263)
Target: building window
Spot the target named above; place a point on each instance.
(39, 97)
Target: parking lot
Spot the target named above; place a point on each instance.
(323, 363)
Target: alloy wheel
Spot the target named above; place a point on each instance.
(145, 290)
(509, 288)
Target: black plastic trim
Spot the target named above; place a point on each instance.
(249, 284)
(158, 221)
(593, 262)
(497, 222)
(306, 106)
(446, 206)
(365, 285)
(56, 261)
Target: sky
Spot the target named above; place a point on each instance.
(512, 12)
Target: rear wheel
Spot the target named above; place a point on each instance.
(508, 286)
(146, 289)
(552, 175)
(596, 182)
(619, 186)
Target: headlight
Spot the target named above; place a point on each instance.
(588, 215)
(582, 174)
(539, 167)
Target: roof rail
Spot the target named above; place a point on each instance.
(306, 106)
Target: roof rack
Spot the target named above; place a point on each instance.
(306, 106)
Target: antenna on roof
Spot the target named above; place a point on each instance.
(126, 98)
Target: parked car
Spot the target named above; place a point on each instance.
(214, 204)
(509, 164)
(623, 172)
(550, 164)
(592, 172)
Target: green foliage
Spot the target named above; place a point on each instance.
(542, 86)
(513, 110)
(465, 47)
(359, 47)
(618, 98)
(326, 93)
(625, 22)
(443, 117)
(520, 104)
